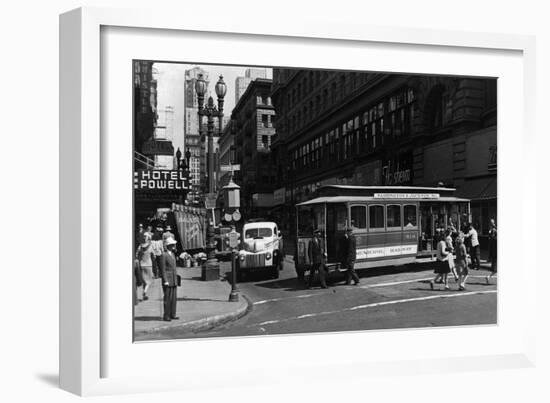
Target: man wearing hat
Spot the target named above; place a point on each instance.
(350, 245)
(167, 233)
(158, 248)
(317, 257)
(168, 273)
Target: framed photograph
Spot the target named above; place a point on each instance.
(269, 191)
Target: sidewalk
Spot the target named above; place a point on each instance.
(201, 305)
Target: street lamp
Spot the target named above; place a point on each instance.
(210, 111)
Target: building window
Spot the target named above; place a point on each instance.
(265, 141)
(265, 121)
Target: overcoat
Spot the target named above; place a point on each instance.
(168, 271)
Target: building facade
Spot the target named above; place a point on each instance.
(253, 130)
(356, 128)
(241, 83)
(226, 145)
(145, 110)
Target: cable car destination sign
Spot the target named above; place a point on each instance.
(160, 180)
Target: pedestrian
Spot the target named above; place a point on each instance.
(350, 245)
(139, 234)
(158, 248)
(475, 253)
(148, 234)
(461, 262)
(442, 265)
(450, 248)
(317, 257)
(137, 280)
(492, 250)
(167, 234)
(144, 256)
(168, 272)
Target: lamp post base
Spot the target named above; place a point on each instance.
(234, 296)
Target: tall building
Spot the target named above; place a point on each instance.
(164, 136)
(241, 83)
(226, 144)
(192, 137)
(145, 110)
(355, 128)
(253, 118)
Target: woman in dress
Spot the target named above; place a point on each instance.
(461, 263)
(442, 268)
(450, 248)
(145, 257)
(492, 250)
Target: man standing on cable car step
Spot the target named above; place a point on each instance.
(350, 245)
(317, 258)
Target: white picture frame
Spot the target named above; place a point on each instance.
(88, 312)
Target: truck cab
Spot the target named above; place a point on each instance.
(261, 249)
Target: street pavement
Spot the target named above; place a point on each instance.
(201, 305)
(387, 298)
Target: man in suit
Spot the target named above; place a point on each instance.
(317, 257)
(168, 273)
(350, 245)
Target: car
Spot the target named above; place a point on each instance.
(261, 249)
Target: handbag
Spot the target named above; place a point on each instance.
(178, 280)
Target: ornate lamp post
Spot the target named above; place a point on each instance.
(210, 111)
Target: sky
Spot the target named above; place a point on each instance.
(171, 90)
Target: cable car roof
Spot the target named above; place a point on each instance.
(359, 199)
(394, 188)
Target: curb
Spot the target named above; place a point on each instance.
(208, 322)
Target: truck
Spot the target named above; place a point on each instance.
(260, 250)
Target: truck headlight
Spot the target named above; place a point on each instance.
(268, 255)
(242, 258)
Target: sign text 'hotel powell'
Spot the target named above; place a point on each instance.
(160, 180)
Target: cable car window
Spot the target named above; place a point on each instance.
(376, 218)
(409, 215)
(393, 216)
(310, 218)
(359, 216)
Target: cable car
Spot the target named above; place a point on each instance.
(393, 225)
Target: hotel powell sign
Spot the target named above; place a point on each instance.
(160, 180)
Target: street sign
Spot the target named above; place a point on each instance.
(233, 239)
(230, 168)
(210, 203)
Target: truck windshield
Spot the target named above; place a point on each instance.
(258, 233)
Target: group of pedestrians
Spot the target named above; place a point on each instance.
(318, 257)
(453, 255)
(156, 259)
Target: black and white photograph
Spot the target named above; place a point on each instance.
(273, 200)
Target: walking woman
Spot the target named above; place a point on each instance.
(450, 248)
(492, 250)
(145, 257)
(461, 262)
(442, 268)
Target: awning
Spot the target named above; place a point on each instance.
(478, 189)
